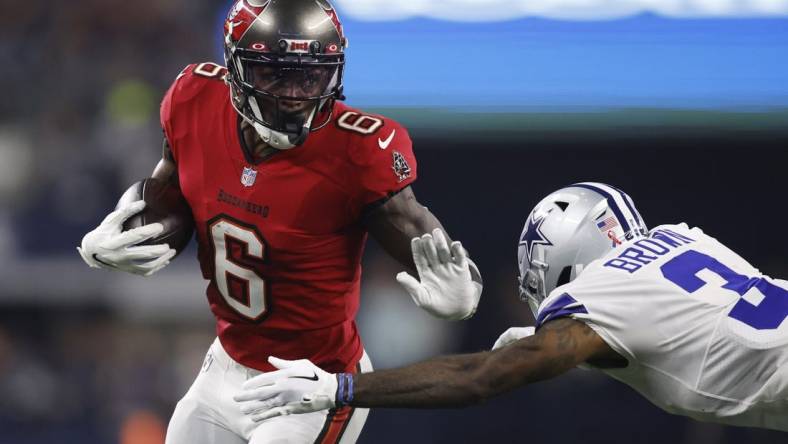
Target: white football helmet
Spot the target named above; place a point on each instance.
(569, 229)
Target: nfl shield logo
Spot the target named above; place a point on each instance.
(248, 177)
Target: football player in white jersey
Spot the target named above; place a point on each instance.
(669, 311)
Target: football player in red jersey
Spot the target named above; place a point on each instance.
(284, 182)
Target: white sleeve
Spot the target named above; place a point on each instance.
(605, 304)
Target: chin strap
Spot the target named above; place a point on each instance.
(276, 139)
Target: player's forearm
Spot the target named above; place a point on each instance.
(462, 380)
(394, 231)
(402, 219)
(447, 381)
(417, 224)
(451, 381)
(166, 170)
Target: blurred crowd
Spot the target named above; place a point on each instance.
(84, 376)
(81, 84)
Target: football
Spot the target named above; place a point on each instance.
(164, 204)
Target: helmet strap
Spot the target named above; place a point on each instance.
(276, 139)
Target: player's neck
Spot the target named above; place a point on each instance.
(258, 150)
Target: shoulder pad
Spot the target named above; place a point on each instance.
(195, 82)
(196, 77)
(371, 134)
(381, 151)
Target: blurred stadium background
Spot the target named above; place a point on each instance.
(684, 104)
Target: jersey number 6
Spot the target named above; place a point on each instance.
(238, 251)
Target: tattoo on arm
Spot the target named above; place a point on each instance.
(461, 380)
(566, 342)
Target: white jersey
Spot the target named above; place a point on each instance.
(702, 329)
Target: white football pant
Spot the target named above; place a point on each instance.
(207, 414)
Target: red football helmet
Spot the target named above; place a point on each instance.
(285, 61)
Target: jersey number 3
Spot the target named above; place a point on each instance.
(765, 306)
(238, 251)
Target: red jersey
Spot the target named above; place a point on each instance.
(281, 241)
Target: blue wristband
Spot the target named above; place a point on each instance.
(344, 389)
(349, 396)
(340, 397)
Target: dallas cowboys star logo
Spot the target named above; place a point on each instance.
(533, 235)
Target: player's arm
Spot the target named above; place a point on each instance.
(401, 218)
(398, 225)
(166, 170)
(449, 381)
(109, 247)
(394, 223)
(462, 380)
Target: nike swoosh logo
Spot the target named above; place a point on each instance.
(313, 378)
(385, 143)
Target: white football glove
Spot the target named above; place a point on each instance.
(108, 246)
(446, 289)
(513, 334)
(297, 387)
